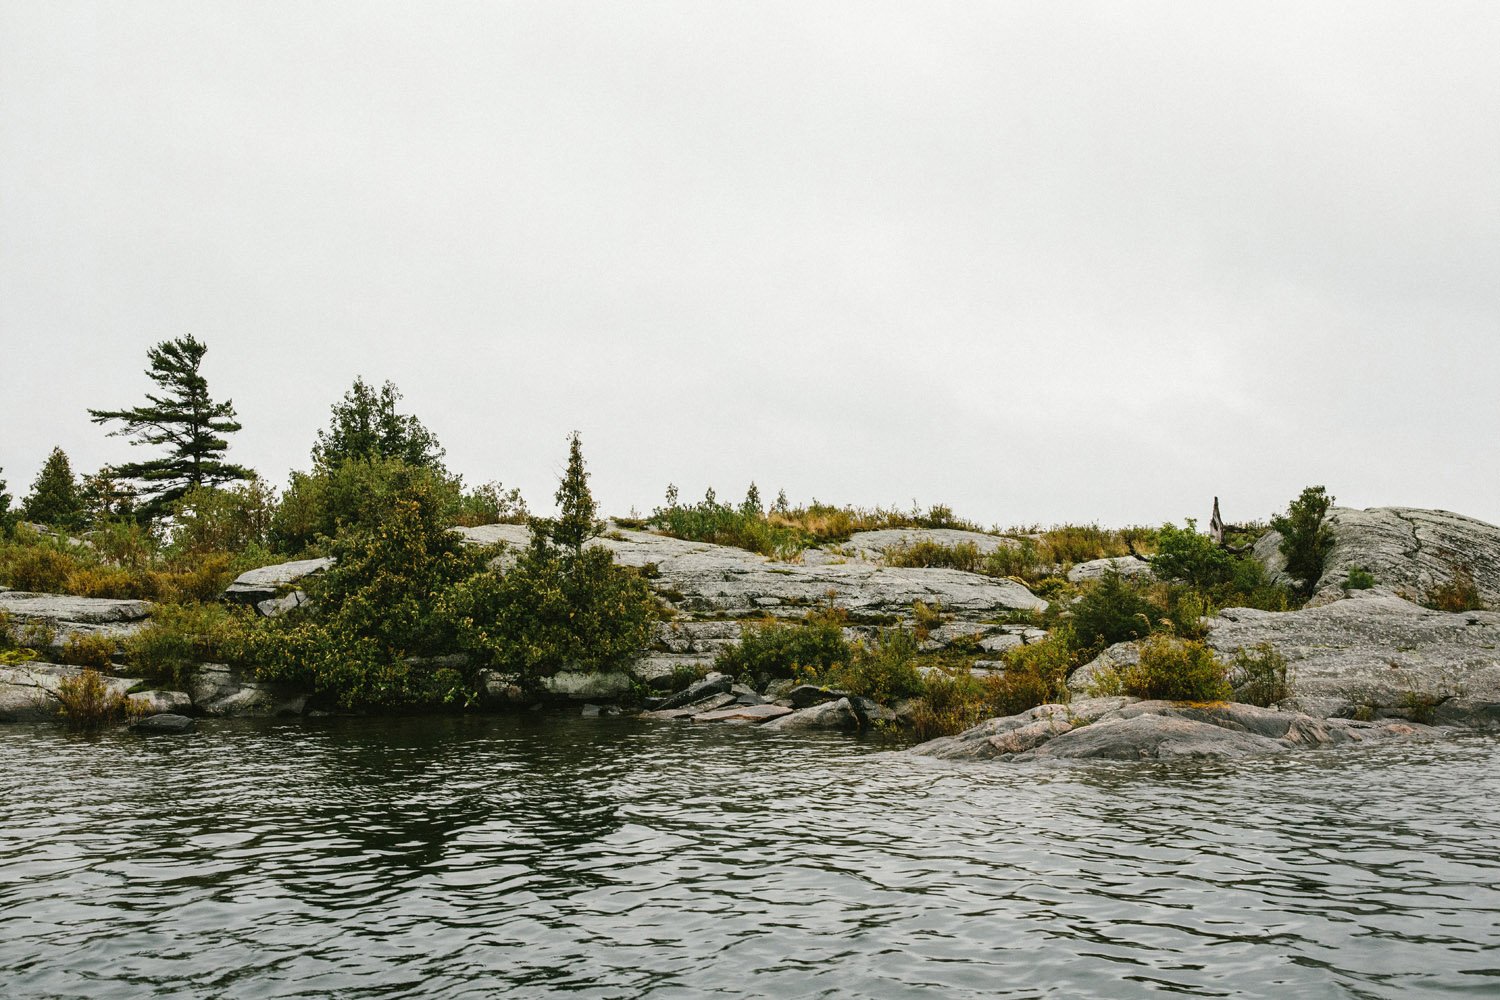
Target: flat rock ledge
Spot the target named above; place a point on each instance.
(700, 579)
(1127, 729)
(1371, 655)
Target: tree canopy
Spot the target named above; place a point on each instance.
(185, 419)
(366, 426)
(55, 497)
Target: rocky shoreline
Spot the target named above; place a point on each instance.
(1366, 665)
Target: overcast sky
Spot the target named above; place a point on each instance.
(1039, 261)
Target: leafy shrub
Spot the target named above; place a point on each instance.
(1359, 579)
(718, 523)
(223, 519)
(378, 612)
(1459, 593)
(773, 648)
(1259, 676)
(885, 670)
(178, 637)
(1020, 561)
(1175, 669)
(1305, 539)
(1184, 555)
(83, 649)
(42, 568)
(927, 553)
(1112, 611)
(490, 503)
(88, 701)
(554, 609)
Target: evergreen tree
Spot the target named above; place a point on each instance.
(576, 520)
(366, 426)
(106, 497)
(184, 418)
(55, 499)
(5, 515)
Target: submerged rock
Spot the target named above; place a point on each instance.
(1122, 729)
(834, 715)
(163, 723)
(743, 714)
(713, 684)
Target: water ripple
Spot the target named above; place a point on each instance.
(614, 858)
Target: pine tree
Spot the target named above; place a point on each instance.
(55, 499)
(751, 507)
(366, 426)
(5, 515)
(576, 521)
(106, 498)
(184, 418)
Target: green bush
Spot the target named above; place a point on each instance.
(87, 700)
(1258, 676)
(319, 505)
(179, 637)
(554, 609)
(1182, 554)
(83, 649)
(378, 612)
(885, 670)
(773, 648)
(1305, 539)
(1359, 578)
(222, 519)
(1175, 669)
(927, 553)
(1112, 611)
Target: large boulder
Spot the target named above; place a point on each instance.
(723, 581)
(267, 587)
(832, 715)
(55, 618)
(28, 691)
(1372, 655)
(1094, 569)
(1123, 729)
(1409, 551)
(220, 690)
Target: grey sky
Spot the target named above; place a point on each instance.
(1043, 262)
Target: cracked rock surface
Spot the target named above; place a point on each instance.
(1408, 550)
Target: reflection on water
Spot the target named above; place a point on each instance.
(480, 857)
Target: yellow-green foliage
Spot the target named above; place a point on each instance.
(1172, 669)
(88, 701)
(772, 648)
(178, 637)
(554, 608)
(884, 670)
(120, 562)
(1259, 676)
(379, 609)
(88, 650)
(926, 553)
(1459, 593)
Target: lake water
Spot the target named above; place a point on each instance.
(539, 856)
